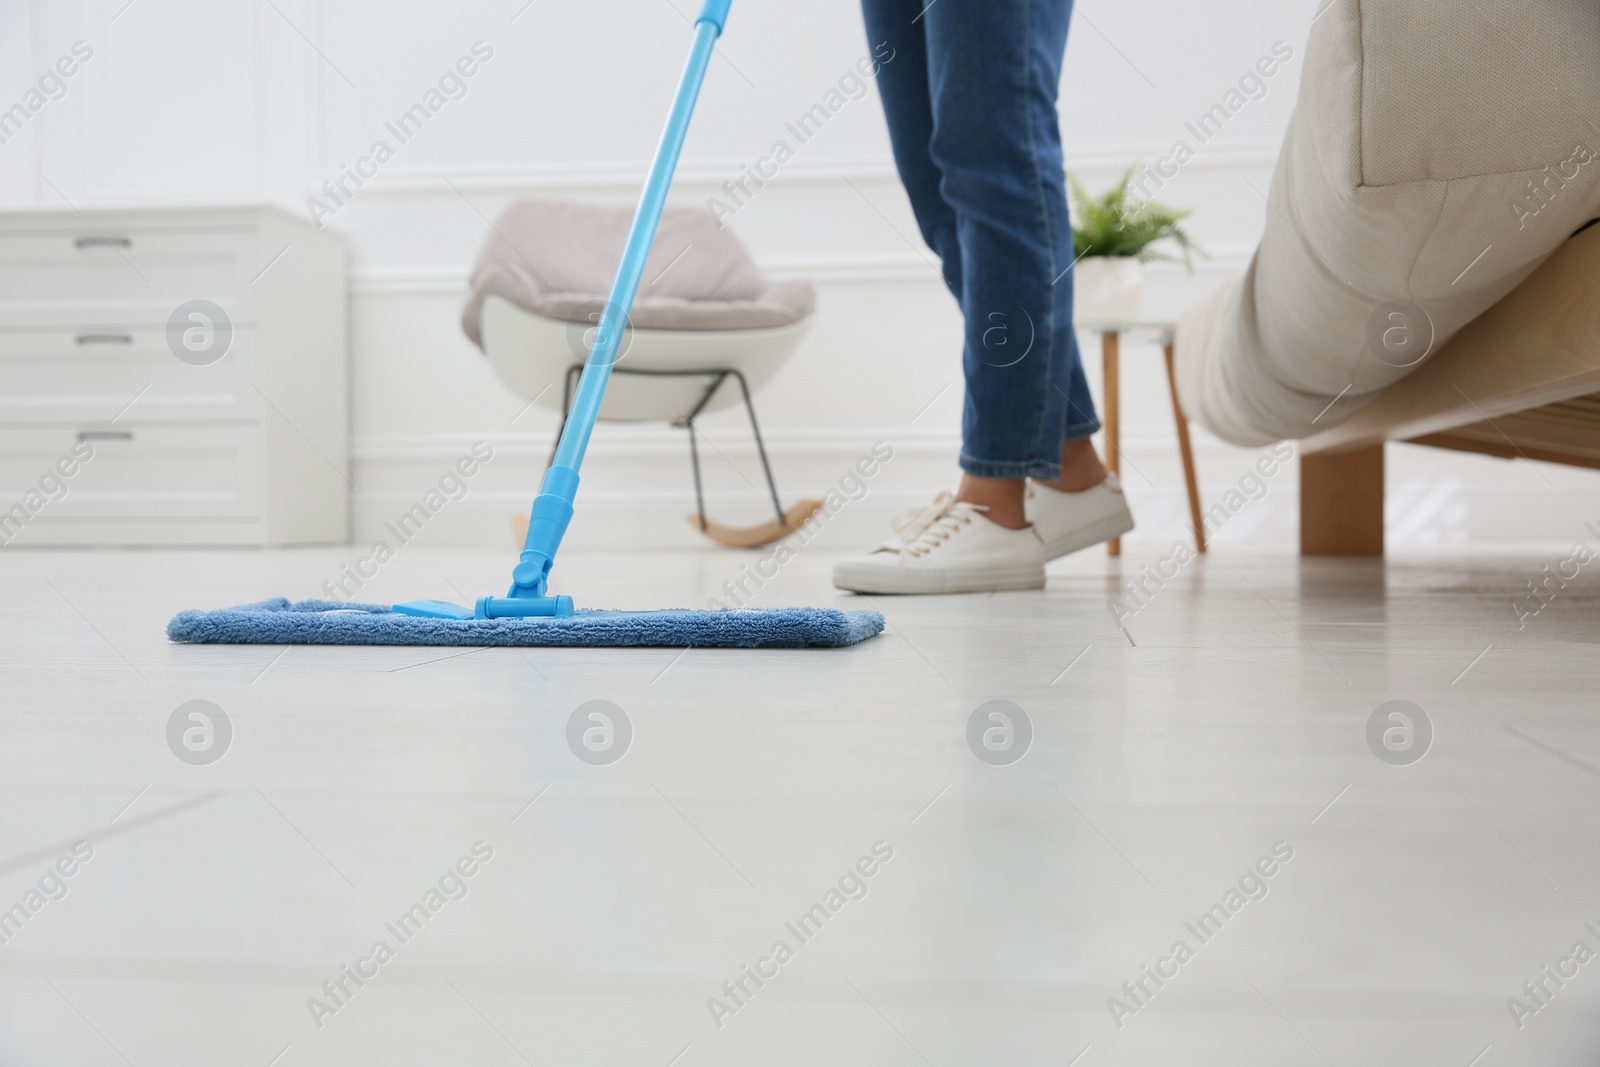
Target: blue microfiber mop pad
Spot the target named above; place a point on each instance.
(330, 622)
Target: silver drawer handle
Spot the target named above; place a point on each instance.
(105, 435)
(105, 338)
(100, 241)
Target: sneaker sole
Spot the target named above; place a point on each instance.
(1088, 536)
(861, 578)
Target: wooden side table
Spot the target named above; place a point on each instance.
(1111, 331)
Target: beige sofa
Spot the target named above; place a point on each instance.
(1439, 158)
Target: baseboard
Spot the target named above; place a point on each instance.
(638, 492)
(619, 520)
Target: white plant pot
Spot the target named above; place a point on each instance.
(1107, 287)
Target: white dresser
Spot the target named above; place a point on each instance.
(195, 355)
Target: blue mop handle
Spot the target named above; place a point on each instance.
(552, 508)
(614, 315)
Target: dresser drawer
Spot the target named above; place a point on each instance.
(134, 472)
(135, 275)
(90, 374)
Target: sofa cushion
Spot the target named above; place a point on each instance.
(1438, 153)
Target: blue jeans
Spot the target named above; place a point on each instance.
(970, 97)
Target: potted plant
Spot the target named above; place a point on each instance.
(1112, 239)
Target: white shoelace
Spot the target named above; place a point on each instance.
(921, 530)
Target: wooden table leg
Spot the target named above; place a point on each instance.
(1187, 453)
(1110, 342)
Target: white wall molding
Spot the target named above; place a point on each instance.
(649, 441)
(865, 267)
(451, 280)
(806, 169)
(612, 175)
(411, 281)
(1241, 154)
(1495, 505)
(622, 441)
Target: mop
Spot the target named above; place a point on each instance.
(529, 614)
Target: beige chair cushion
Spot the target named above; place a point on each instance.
(557, 260)
(1438, 153)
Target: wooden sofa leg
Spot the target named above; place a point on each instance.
(1341, 503)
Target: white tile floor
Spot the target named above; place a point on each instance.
(619, 898)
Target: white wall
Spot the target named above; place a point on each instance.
(200, 99)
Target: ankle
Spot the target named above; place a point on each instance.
(1080, 467)
(1002, 499)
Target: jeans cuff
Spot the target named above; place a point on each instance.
(1046, 470)
(1079, 430)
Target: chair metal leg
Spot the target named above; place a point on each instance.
(705, 398)
(694, 461)
(694, 448)
(761, 448)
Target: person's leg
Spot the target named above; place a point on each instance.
(895, 33)
(1081, 467)
(995, 66)
(973, 122)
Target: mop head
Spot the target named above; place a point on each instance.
(331, 622)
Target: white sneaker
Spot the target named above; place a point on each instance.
(1068, 522)
(947, 547)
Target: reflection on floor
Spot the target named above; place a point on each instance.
(1190, 827)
